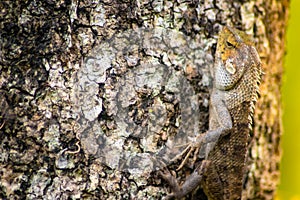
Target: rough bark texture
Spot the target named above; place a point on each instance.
(90, 98)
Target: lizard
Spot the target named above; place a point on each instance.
(236, 75)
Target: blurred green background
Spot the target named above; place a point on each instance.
(289, 187)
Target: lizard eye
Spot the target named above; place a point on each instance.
(230, 45)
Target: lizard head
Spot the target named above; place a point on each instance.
(235, 54)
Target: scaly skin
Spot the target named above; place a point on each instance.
(236, 75)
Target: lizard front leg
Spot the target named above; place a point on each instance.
(220, 125)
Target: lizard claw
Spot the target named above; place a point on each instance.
(192, 147)
(167, 176)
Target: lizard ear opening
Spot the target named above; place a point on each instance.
(229, 67)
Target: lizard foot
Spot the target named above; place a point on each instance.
(192, 147)
(167, 176)
(192, 181)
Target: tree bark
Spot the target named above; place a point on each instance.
(93, 92)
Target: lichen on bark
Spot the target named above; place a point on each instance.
(85, 84)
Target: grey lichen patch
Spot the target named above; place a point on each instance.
(98, 16)
(10, 180)
(65, 187)
(89, 139)
(157, 119)
(158, 5)
(51, 137)
(120, 106)
(38, 183)
(139, 106)
(248, 16)
(85, 38)
(144, 194)
(127, 94)
(63, 161)
(96, 173)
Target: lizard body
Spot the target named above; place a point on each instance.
(236, 77)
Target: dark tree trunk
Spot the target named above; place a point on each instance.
(91, 92)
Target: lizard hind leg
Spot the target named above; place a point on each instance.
(190, 184)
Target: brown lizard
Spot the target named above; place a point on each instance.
(236, 78)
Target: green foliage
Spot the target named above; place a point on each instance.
(289, 187)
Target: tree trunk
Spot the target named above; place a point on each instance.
(96, 96)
